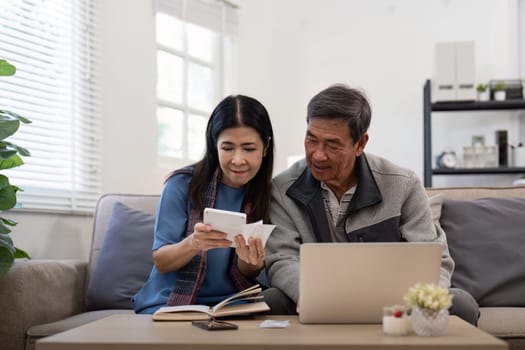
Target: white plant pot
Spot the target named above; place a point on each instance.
(500, 95)
(483, 96)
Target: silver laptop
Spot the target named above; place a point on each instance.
(351, 282)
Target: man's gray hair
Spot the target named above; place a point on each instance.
(342, 102)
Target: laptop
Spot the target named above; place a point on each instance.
(351, 282)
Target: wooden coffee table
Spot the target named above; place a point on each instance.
(119, 332)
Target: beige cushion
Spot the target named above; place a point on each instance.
(43, 330)
(506, 322)
(470, 193)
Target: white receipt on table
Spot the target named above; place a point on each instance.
(274, 324)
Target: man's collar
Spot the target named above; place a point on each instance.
(367, 193)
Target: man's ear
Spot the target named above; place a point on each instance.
(361, 144)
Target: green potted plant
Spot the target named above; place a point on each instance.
(9, 158)
(483, 92)
(499, 91)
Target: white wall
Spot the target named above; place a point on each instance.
(288, 50)
(384, 47)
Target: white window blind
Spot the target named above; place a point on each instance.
(195, 43)
(53, 45)
(217, 15)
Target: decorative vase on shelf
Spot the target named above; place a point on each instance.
(483, 92)
(429, 323)
(499, 91)
(500, 95)
(483, 96)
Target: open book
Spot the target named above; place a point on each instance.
(248, 299)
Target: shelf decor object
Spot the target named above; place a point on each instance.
(513, 89)
(459, 106)
(519, 155)
(483, 92)
(499, 91)
(454, 73)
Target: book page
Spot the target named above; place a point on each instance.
(182, 308)
(181, 316)
(241, 309)
(255, 289)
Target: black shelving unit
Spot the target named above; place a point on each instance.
(457, 106)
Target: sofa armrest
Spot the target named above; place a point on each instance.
(39, 291)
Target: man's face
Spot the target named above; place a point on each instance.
(331, 152)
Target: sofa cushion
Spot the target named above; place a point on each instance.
(486, 238)
(44, 330)
(125, 259)
(505, 322)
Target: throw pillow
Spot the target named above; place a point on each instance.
(486, 238)
(125, 259)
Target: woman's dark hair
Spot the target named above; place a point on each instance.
(236, 111)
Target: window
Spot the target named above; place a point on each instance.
(52, 44)
(194, 40)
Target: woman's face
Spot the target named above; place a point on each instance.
(241, 151)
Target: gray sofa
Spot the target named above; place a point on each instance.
(43, 297)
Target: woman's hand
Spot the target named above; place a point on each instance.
(250, 255)
(204, 238)
(172, 257)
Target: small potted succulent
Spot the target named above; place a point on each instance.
(430, 304)
(499, 91)
(483, 92)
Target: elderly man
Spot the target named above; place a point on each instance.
(340, 194)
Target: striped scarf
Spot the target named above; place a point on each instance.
(190, 277)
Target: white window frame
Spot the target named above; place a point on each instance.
(216, 15)
(54, 46)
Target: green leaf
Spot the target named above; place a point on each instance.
(6, 154)
(7, 193)
(8, 126)
(20, 254)
(7, 242)
(6, 68)
(4, 228)
(10, 162)
(19, 149)
(6, 261)
(12, 115)
(7, 254)
(8, 221)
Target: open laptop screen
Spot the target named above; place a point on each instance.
(351, 282)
